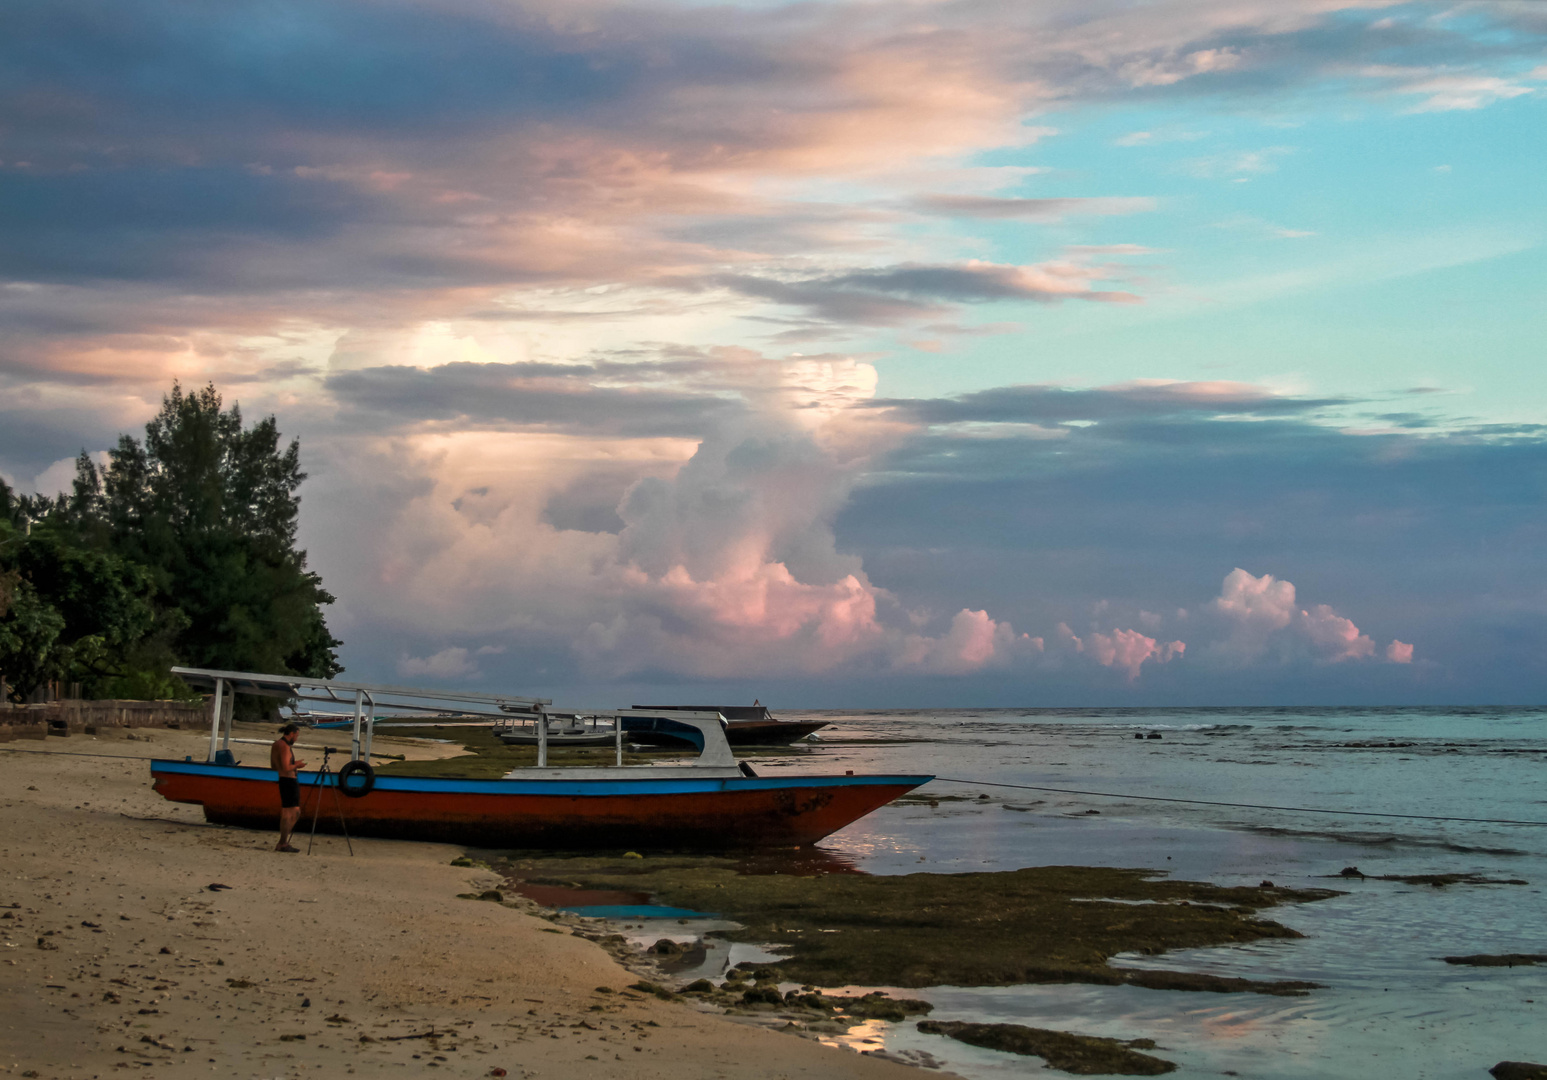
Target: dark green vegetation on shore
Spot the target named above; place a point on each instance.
(181, 551)
(1051, 924)
(1086, 1055)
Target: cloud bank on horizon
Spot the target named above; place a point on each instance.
(988, 352)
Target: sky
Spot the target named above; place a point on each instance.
(839, 354)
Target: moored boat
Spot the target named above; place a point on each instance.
(563, 730)
(711, 802)
(745, 725)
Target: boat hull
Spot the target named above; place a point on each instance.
(705, 814)
(769, 732)
(660, 731)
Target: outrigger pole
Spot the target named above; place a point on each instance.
(365, 697)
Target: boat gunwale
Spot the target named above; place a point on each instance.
(570, 786)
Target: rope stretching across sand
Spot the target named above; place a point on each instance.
(1239, 806)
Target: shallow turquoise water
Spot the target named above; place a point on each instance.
(1391, 1007)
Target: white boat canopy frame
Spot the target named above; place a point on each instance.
(365, 697)
(368, 697)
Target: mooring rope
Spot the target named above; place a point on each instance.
(1053, 790)
(1241, 806)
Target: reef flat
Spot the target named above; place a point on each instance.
(1050, 924)
(1498, 959)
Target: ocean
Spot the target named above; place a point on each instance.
(1390, 1007)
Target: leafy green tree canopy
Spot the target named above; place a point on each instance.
(182, 550)
(69, 612)
(211, 509)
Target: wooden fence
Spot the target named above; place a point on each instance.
(89, 717)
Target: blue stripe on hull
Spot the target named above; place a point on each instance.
(572, 787)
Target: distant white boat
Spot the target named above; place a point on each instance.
(563, 730)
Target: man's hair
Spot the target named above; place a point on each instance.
(288, 728)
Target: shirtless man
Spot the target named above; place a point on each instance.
(282, 760)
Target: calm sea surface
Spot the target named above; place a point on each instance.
(1391, 1007)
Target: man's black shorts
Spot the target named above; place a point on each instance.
(289, 792)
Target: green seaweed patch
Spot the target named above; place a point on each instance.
(1498, 959)
(1441, 880)
(1050, 924)
(1086, 1055)
(872, 1006)
(645, 987)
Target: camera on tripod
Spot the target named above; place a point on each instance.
(345, 779)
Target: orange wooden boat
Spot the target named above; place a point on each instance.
(714, 802)
(725, 813)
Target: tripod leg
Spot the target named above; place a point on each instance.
(341, 824)
(305, 798)
(322, 777)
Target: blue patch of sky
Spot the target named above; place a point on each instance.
(1350, 248)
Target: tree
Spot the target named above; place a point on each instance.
(29, 626)
(181, 551)
(210, 509)
(74, 613)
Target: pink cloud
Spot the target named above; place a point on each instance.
(1399, 652)
(973, 642)
(1263, 614)
(1125, 650)
(1260, 605)
(765, 622)
(725, 563)
(1337, 638)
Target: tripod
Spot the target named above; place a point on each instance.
(327, 778)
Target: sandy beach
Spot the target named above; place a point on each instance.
(120, 959)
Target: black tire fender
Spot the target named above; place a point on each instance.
(356, 779)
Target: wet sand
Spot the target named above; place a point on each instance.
(116, 958)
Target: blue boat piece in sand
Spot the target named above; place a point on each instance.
(636, 911)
